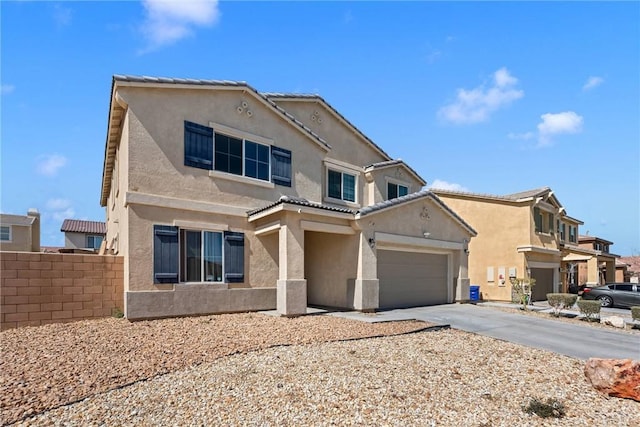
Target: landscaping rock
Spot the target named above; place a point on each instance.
(615, 377)
(616, 321)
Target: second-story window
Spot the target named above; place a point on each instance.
(341, 185)
(235, 152)
(573, 233)
(396, 190)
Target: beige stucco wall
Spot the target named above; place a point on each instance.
(330, 268)
(20, 239)
(377, 188)
(156, 160)
(75, 240)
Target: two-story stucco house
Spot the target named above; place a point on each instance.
(20, 232)
(221, 198)
(83, 234)
(521, 235)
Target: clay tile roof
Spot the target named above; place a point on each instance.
(80, 226)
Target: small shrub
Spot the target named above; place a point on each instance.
(117, 313)
(561, 301)
(590, 309)
(521, 289)
(635, 313)
(551, 408)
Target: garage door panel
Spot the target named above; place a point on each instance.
(411, 279)
(544, 283)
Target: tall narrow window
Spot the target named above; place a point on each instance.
(341, 185)
(537, 217)
(256, 160)
(201, 256)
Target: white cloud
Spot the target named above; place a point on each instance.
(58, 204)
(168, 21)
(567, 122)
(59, 209)
(62, 15)
(7, 89)
(50, 164)
(592, 82)
(476, 105)
(444, 185)
(525, 135)
(433, 56)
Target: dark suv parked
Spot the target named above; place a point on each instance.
(614, 294)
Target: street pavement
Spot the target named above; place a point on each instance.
(571, 339)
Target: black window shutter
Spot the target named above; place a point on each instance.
(165, 254)
(280, 166)
(198, 146)
(233, 257)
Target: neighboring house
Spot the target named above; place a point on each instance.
(221, 199)
(604, 264)
(20, 233)
(622, 271)
(633, 269)
(521, 235)
(81, 234)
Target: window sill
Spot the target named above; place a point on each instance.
(341, 202)
(208, 285)
(242, 179)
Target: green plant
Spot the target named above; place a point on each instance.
(590, 309)
(635, 313)
(561, 301)
(521, 289)
(551, 408)
(117, 313)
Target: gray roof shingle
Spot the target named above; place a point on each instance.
(300, 202)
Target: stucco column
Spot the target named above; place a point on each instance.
(292, 286)
(592, 271)
(366, 290)
(462, 286)
(610, 274)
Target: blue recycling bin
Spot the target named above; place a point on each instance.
(474, 293)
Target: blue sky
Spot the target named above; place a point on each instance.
(486, 97)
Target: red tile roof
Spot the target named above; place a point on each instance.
(80, 226)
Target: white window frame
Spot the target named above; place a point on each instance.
(389, 180)
(182, 262)
(343, 168)
(10, 233)
(244, 137)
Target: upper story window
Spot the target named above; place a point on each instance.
(562, 230)
(230, 151)
(573, 233)
(5, 233)
(94, 242)
(396, 190)
(544, 221)
(341, 185)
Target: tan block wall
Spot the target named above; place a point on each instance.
(38, 289)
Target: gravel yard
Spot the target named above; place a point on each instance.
(48, 366)
(213, 377)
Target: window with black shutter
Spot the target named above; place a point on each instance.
(198, 146)
(165, 254)
(233, 257)
(280, 166)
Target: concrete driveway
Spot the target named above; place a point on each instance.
(574, 340)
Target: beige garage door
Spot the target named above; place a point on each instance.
(410, 279)
(544, 283)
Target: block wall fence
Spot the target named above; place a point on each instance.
(38, 288)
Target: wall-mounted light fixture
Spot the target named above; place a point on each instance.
(372, 242)
(426, 234)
